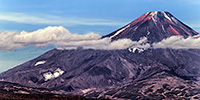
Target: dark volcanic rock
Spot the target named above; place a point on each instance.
(89, 68)
(153, 89)
(151, 74)
(11, 91)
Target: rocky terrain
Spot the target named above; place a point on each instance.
(154, 88)
(13, 91)
(144, 74)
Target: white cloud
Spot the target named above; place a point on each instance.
(42, 37)
(104, 43)
(63, 38)
(6, 42)
(55, 20)
(178, 42)
(120, 44)
(94, 44)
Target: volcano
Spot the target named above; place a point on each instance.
(120, 74)
(156, 26)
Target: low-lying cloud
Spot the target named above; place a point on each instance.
(42, 37)
(179, 42)
(62, 38)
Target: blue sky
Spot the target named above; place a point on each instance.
(81, 16)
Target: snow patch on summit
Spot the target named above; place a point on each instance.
(166, 16)
(154, 13)
(148, 33)
(174, 20)
(120, 31)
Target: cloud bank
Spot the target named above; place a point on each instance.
(178, 42)
(42, 37)
(62, 38)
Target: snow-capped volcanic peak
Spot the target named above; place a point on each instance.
(156, 25)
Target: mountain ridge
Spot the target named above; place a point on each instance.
(118, 74)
